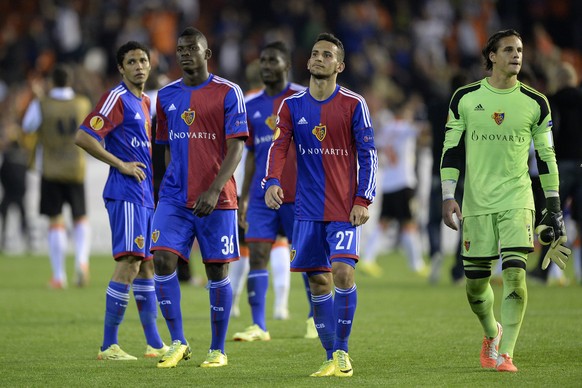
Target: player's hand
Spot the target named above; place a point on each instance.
(134, 169)
(558, 253)
(274, 197)
(450, 208)
(359, 215)
(551, 227)
(206, 203)
(552, 230)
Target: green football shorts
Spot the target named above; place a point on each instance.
(485, 235)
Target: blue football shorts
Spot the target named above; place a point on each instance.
(130, 229)
(317, 243)
(265, 224)
(175, 228)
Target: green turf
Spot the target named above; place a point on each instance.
(406, 333)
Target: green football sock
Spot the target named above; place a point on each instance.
(480, 296)
(512, 307)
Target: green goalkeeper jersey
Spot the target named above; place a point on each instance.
(489, 132)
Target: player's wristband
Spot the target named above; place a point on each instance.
(553, 204)
(270, 182)
(448, 188)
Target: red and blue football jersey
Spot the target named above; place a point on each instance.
(123, 122)
(336, 156)
(196, 122)
(262, 116)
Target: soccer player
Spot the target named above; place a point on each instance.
(336, 181)
(396, 140)
(15, 161)
(122, 122)
(566, 106)
(489, 130)
(264, 223)
(202, 120)
(55, 119)
(568, 115)
(159, 164)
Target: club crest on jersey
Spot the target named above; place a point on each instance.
(293, 254)
(188, 116)
(319, 131)
(140, 241)
(271, 122)
(155, 235)
(96, 123)
(277, 133)
(498, 117)
(467, 245)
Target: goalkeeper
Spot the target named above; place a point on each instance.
(490, 127)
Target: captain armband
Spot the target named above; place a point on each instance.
(448, 187)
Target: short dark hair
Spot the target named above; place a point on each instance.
(281, 47)
(191, 31)
(493, 45)
(329, 37)
(127, 47)
(62, 75)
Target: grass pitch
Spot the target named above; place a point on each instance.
(406, 333)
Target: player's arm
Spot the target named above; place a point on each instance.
(94, 148)
(236, 132)
(275, 162)
(368, 164)
(551, 229)
(248, 171)
(206, 203)
(546, 162)
(97, 125)
(276, 158)
(452, 161)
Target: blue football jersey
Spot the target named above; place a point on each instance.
(262, 116)
(196, 122)
(336, 157)
(123, 122)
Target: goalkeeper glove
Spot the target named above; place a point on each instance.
(551, 226)
(558, 253)
(552, 230)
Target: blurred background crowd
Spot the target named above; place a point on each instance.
(394, 47)
(397, 51)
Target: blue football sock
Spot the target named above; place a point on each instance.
(116, 299)
(323, 315)
(344, 308)
(257, 285)
(168, 295)
(144, 293)
(220, 304)
(308, 291)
